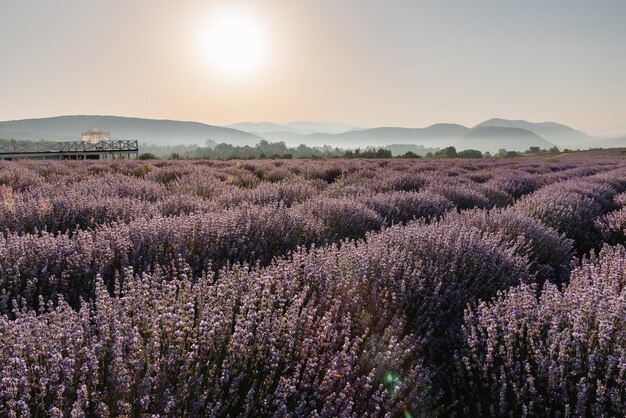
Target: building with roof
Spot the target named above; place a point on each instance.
(95, 135)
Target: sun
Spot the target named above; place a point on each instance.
(235, 43)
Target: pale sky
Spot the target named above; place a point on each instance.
(369, 63)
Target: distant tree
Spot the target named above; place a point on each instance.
(502, 153)
(368, 153)
(429, 155)
(175, 156)
(409, 154)
(271, 148)
(449, 152)
(382, 153)
(147, 156)
(554, 150)
(225, 151)
(487, 154)
(470, 153)
(303, 151)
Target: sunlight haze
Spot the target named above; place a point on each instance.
(367, 63)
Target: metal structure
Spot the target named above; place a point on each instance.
(71, 150)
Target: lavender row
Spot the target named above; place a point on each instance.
(67, 264)
(60, 197)
(162, 320)
(368, 329)
(33, 265)
(362, 330)
(559, 354)
(612, 226)
(268, 342)
(575, 207)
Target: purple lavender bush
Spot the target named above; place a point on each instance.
(66, 265)
(463, 196)
(313, 287)
(612, 226)
(559, 354)
(434, 271)
(402, 207)
(549, 253)
(342, 218)
(263, 343)
(570, 208)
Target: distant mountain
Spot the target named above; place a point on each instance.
(152, 131)
(493, 138)
(263, 127)
(487, 138)
(299, 127)
(491, 135)
(608, 132)
(610, 142)
(436, 135)
(290, 138)
(323, 127)
(560, 135)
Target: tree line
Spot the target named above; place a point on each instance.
(279, 150)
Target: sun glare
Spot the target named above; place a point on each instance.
(236, 44)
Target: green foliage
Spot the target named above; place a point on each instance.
(539, 151)
(449, 152)
(502, 153)
(398, 150)
(224, 151)
(368, 153)
(147, 156)
(470, 153)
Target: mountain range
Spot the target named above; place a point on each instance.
(301, 127)
(160, 132)
(491, 135)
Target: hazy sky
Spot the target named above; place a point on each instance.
(369, 63)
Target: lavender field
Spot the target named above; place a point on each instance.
(397, 287)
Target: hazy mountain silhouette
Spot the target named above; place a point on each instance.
(493, 138)
(435, 135)
(487, 138)
(558, 134)
(490, 135)
(298, 127)
(162, 132)
(610, 142)
(289, 137)
(323, 127)
(263, 127)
